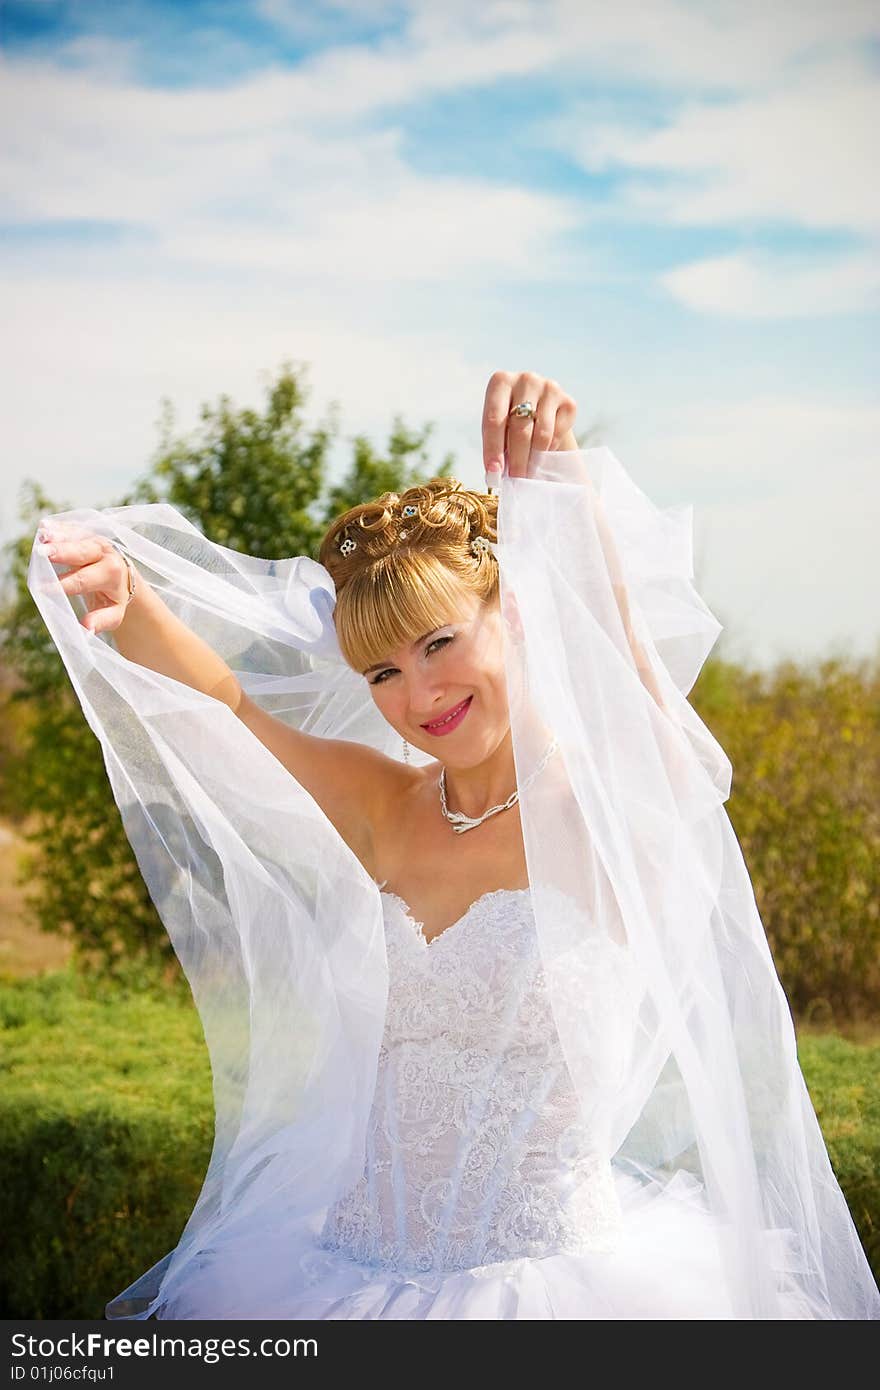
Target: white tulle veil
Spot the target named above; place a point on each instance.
(691, 1067)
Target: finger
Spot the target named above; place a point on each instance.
(495, 407)
(104, 619)
(81, 550)
(545, 420)
(566, 414)
(528, 387)
(102, 574)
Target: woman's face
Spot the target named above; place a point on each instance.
(460, 661)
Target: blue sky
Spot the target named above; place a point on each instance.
(670, 207)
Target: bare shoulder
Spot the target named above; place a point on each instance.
(382, 785)
(400, 789)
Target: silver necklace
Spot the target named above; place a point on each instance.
(460, 822)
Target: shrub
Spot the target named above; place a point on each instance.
(106, 1126)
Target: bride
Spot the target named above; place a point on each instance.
(441, 846)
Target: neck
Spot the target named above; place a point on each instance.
(474, 790)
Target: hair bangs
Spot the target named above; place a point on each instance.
(392, 602)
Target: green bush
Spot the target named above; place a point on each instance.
(105, 1135)
(106, 1126)
(842, 1078)
(805, 748)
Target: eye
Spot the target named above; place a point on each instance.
(389, 671)
(441, 640)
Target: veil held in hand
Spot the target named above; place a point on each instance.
(689, 1067)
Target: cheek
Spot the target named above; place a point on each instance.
(488, 658)
(390, 699)
(486, 674)
(382, 695)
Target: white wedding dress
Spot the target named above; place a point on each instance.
(581, 1100)
(483, 1195)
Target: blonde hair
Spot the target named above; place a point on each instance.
(406, 574)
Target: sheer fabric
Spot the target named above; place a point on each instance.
(686, 1077)
(482, 1195)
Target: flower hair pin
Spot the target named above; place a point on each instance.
(409, 510)
(347, 546)
(478, 547)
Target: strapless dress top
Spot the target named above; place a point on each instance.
(476, 1151)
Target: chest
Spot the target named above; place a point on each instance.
(474, 986)
(438, 872)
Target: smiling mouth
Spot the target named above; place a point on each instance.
(452, 718)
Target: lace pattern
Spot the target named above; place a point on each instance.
(476, 1152)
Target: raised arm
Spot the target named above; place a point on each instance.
(349, 781)
(549, 428)
(609, 550)
(153, 636)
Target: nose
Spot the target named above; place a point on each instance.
(426, 700)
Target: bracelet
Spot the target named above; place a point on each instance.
(132, 580)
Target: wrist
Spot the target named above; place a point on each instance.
(131, 574)
(141, 604)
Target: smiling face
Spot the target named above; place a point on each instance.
(417, 614)
(459, 663)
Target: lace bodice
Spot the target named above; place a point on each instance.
(476, 1151)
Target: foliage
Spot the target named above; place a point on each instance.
(371, 475)
(805, 749)
(247, 479)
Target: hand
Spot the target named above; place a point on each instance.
(509, 435)
(97, 572)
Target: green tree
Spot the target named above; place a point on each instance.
(252, 480)
(372, 474)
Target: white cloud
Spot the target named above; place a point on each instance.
(281, 219)
(803, 154)
(718, 44)
(786, 494)
(726, 450)
(421, 230)
(776, 287)
(800, 156)
(240, 178)
(281, 170)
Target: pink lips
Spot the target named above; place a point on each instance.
(453, 723)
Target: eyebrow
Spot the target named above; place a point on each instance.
(380, 665)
